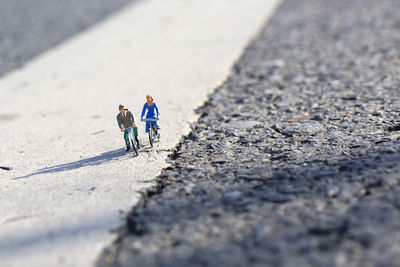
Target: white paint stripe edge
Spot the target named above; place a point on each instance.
(62, 109)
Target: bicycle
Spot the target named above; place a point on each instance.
(134, 144)
(152, 133)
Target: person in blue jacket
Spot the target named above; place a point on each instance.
(152, 113)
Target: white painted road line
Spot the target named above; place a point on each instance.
(58, 130)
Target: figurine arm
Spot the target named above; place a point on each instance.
(143, 110)
(130, 114)
(119, 121)
(157, 112)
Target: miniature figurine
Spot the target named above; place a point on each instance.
(125, 120)
(152, 113)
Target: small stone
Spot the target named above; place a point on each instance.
(277, 128)
(326, 225)
(277, 198)
(332, 191)
(279, 176)
(306, 128)
(289, 189)
(233, 195)
(241, 124)
(276, 63)
(220, 161)
(322, 174)
(251, 208)
(350, 97)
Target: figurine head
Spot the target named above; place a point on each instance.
(121, 108)
(149, 99)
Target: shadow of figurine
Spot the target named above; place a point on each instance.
(103, 158)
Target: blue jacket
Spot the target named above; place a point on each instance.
(152, 111)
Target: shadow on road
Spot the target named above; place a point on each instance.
(93, 161)
(14, 243)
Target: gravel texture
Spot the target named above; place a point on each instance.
(30, 27)
(294, 160)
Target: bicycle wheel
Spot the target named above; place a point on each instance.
(135, 148)
(151, 137)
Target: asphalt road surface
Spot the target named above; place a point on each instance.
(30, 27)
(295, 159)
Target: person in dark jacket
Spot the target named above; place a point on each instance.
(125, 120)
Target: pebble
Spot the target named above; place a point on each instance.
(233, 195)
(241, 124)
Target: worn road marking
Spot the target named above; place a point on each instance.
(63, 141)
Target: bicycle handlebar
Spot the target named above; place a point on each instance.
(128, 129)
(149, 120)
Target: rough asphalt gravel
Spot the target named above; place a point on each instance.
(295, 159)
(30, 27)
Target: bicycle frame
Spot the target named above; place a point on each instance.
(131, 139)
(151, 130)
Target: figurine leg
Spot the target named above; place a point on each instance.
(126, 137)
